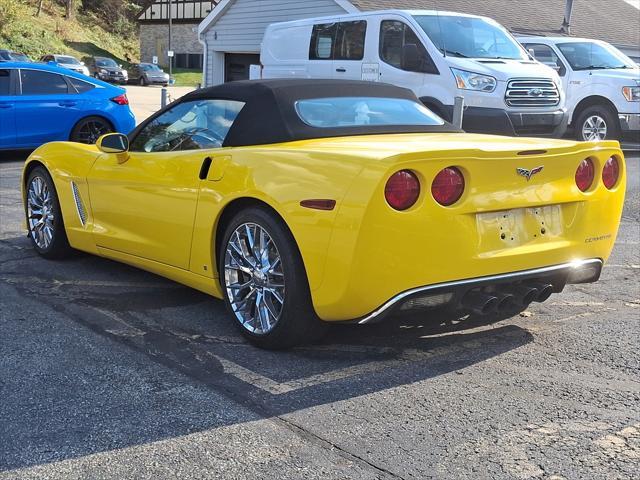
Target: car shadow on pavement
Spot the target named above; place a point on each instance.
(68, 393)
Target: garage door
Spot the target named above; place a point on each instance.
(236, 65)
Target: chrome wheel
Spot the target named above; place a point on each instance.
(40, 212)
(254, 279)
(594, 128)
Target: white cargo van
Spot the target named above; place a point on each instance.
(438, 55)
(602, 85)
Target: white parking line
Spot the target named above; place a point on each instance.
(19, 279)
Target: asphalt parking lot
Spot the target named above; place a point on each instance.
(111, 372)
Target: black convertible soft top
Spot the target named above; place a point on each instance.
(269, 114)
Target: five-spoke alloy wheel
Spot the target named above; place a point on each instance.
(264, 281)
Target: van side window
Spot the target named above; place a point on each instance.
(322, 41)
(395, 36)
(349, 43)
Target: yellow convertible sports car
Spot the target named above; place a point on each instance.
(303, 202)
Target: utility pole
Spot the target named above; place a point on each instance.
(566, 23)
(170, 47)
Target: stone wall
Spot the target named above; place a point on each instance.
(154, 40)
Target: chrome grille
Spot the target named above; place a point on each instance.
(532, 92)
(82, 213)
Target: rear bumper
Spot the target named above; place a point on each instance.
(522, 123)
(452, 293)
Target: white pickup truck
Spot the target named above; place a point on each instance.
(602, 85)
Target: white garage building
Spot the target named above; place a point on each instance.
(232, 32)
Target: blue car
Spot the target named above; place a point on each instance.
(44, 103)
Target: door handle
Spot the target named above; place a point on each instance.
(6, 105)
(341, 70)
(204, 169)
(68, 104)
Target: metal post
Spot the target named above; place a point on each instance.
(566, 22)
(458, 110)
(170, 28)
(163, 97)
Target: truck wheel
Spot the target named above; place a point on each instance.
(598, 122)
(265, 283)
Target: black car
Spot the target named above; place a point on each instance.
(148, 74)
(11, 56)
(107, 69)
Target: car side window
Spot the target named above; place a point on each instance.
(5, 82)
(80, 85)
(194, 125)
(36, 82)
(545, 54)
(394, 37)
(322, 41)
(350, 38)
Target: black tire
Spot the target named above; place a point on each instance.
(608, 115)
(89, 129)
(142, 81)
(297, 322)
(59, 245)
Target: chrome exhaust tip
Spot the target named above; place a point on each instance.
(480, 303)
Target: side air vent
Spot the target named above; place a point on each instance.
(532, 92)
(82, 213)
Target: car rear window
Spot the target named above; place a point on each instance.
(80, 85)
(361, 111)
(4, 82)
(36, 82)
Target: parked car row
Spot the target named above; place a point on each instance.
(102, 68)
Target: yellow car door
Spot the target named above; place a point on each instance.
(146, 205)
(144, 202)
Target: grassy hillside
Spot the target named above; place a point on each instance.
(81, 36)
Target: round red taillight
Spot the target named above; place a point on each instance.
(585, 174)
(448, 186)
(402, 189)
(611, 173)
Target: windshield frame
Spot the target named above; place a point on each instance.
(446, 50)
(626, 62)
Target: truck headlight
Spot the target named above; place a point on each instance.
(103, 72)
(632, 94)
(474, 81)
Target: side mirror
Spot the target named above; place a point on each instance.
(410, 59)
(120, 65)
(113, 143)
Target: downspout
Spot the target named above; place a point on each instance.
(204, 59)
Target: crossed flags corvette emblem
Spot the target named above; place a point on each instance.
(529, 173)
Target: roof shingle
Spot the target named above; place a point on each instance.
(614, 21)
